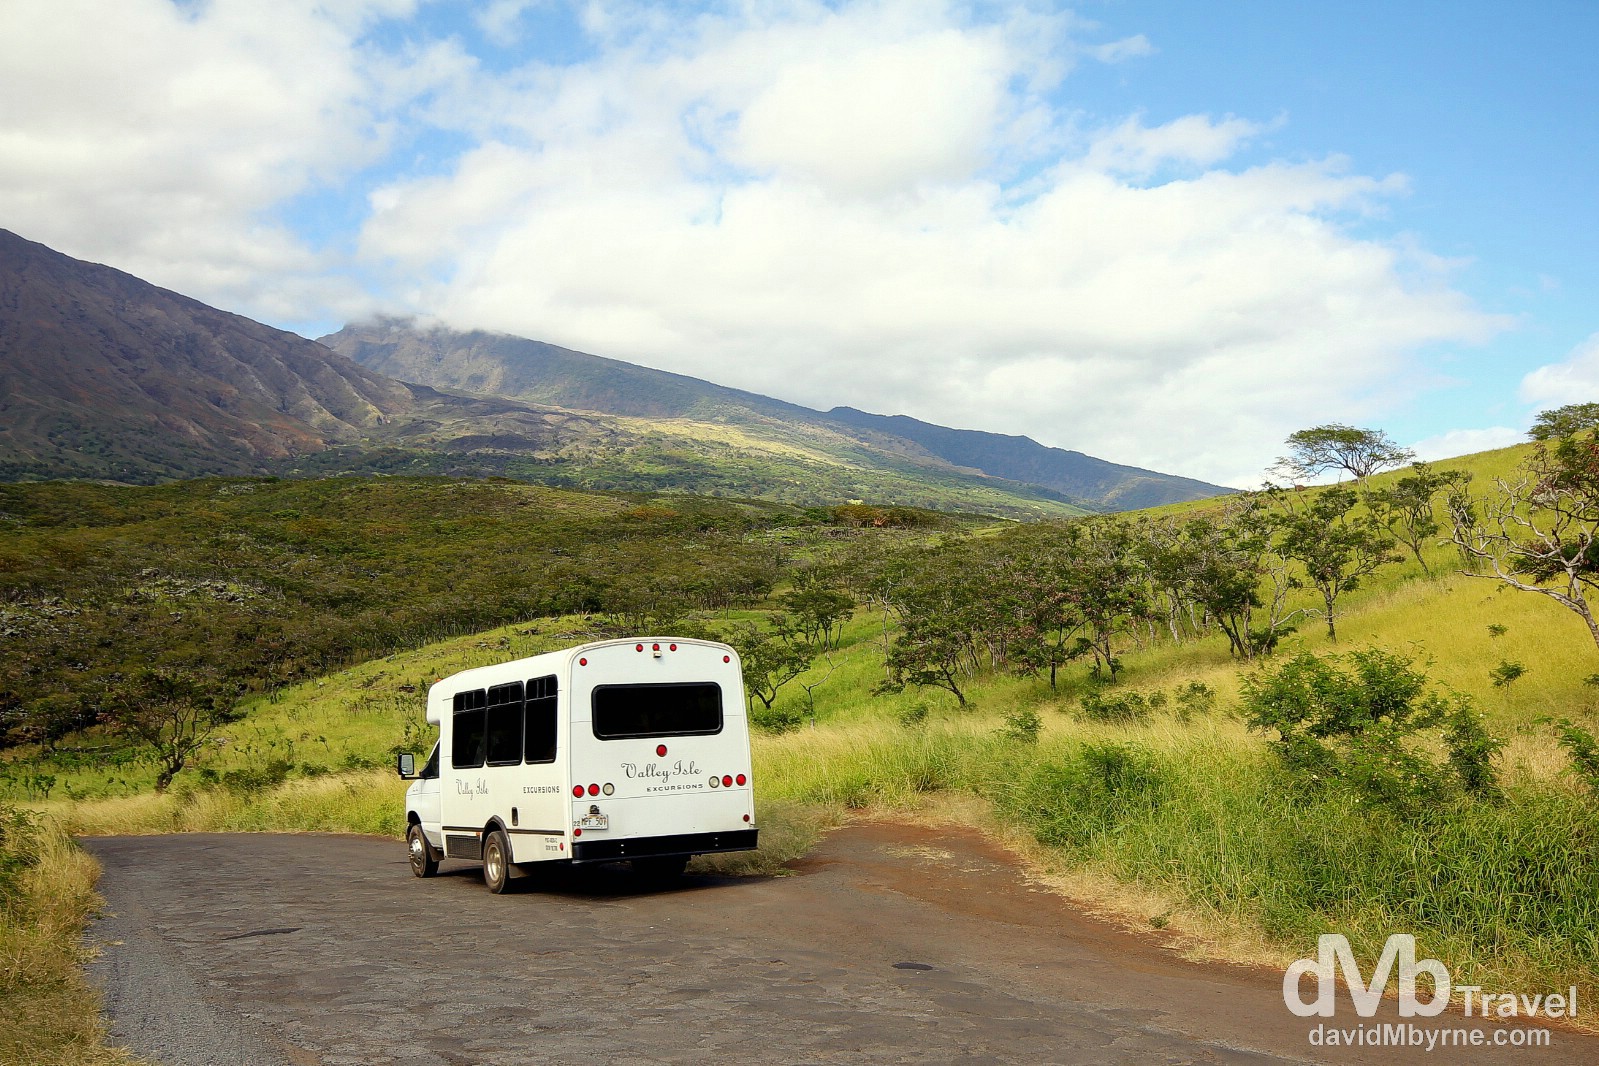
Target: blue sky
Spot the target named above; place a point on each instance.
(1165, 233)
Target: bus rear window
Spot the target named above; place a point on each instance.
(682, 710)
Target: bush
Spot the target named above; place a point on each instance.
(1355, 723)
(1194, 699)
(913, 716)
(1022, 725)
(777, 719)
(257, 778)
(1119, 708)
(1583, 747)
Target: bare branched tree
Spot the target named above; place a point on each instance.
(1540, 531)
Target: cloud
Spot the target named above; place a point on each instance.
(894, 204)
(162, 136)
(1573, 380)
(764, 208)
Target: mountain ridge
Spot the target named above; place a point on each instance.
(540, 372)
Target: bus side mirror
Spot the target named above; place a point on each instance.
(405, 763)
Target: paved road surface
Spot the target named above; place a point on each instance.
(891, 944)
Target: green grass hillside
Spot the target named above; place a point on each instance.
(1173, 814)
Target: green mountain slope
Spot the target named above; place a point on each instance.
(536, 372)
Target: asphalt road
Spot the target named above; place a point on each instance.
(891, 944)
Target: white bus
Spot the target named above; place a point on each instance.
(631, 750)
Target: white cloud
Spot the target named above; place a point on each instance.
(160, 137)
(1575, 379)
(857, 253)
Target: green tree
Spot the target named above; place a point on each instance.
(1567, 421)
(772, 656)
(173, 712)
(1103, 587)
(942, 615)
(1361, 452)
(819, 607)
(1408, 508)
(1335, 544)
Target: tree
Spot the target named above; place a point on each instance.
(941, 610)
(1567, 421)
(1362, 452)
(1045, 620)
(1540, 532)
(772, 657)
(1336, 546)
(174, 712)
(1227, 563)
(1406, 507)
(819, 607)
(1103, 587)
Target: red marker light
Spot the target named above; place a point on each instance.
(594, 790)
(582, 662)
(655, 647)
(638, 647)
(660, 749)
(746, 817)
(742, 779)
(577, 832)
(671, 647)
(577, 790)
(727, 782)
(727, 658)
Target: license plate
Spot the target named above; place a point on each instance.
(594, 821)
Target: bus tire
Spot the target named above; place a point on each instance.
(496, 862)
(424, 861)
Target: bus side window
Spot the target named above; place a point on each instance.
(431, 770)
(467, 751)
(505, 725)
(539, 734)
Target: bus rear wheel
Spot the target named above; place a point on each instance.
(496, 862)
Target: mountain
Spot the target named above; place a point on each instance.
(103, 375)
(1111, 486)
(533, 371)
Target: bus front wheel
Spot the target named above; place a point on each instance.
(424, 863)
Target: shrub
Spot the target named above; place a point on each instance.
(913, 716)
(1194, 698)
(1023, 725)
(1120, 708)
(19, 849)
(1583, 747)
(777, 719)
(1353, 722)
(258, 777)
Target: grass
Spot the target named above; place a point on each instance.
(46, 899)
(1189, 826)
